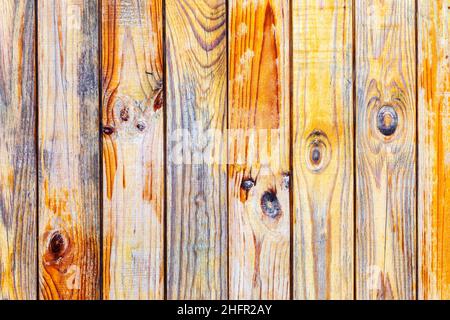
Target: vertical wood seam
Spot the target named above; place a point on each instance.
(354, 109)
(100, 140)
(36, 139)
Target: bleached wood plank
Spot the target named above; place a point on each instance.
(18, 212)
(68, 150)
(385, 149)
(196, 149)
(323, 150)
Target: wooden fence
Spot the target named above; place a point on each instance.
(213, 149)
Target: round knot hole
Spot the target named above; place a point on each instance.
(387, 120)
(270, 205)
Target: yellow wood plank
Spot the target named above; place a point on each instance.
(196, 149)
(17, 151)
(323, 150)
(68, 150)
(434, 149)
(385, 149)
(133, 149)
(258, 140)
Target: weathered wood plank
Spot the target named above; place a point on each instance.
(133, 149)
(258, 144)
(69, 226)
(196, 149)
(434, 149)
(323, 150)
(17, 151)
(385, 149)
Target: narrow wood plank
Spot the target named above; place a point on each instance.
(133, 149)
(17, 151)
(196, 149)
(434, 149)
(385, 149)
(258, 187)
(69, 226)
(323, 149)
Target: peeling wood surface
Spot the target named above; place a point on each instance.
(258, 150)
(385, 149)
(323, 150)
(17, 151)
(434, 149)
(196, 63)
(68, 150)
(133, 149)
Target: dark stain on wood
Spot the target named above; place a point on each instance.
(270, 205)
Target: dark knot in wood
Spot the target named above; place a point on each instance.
(387, 120)
(270, 204)
(108, 130)
(57, 245)
(141, 125)
(247, 184)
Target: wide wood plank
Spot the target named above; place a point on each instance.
(323, 150)
(258, 148)
(385, 149)
(17, 151)
(133, 149)
(196, 149)
(434, 149)
(69, 226)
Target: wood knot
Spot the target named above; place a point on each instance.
(286, 180)
(319, 151)
(247, 184)
(159, 101)
(108, 130)
(124, 114)
(387, 120)
(141, 125)
(270, 204)
(57, 245)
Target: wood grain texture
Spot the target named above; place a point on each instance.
(196, 149)
(258, 147)
(385, 149)
(17, 151)
(434, 149)
(68, 150)
(133, 149)
(323, 150)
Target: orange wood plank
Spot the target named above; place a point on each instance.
(258, 148)
(133, 149)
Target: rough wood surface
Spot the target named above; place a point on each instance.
(133, 149)
(17, 151)
(258, 140)
(196, 149)
(68, 150)
(385, 149)
(434, 149)
(323, 150)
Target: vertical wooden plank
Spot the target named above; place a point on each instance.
(133, 149)
(434, 149)
(17, 151)
(69, 233)
(196, 149)
(385, 149)
(258, 187)
(323, 149)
